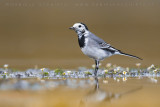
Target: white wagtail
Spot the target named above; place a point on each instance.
(95, 47)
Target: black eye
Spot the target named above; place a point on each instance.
(79, 26)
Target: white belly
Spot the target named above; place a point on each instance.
(95, 53)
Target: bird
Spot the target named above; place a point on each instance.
(95, 47)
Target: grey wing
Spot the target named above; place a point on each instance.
(102, 44)
(108, 47)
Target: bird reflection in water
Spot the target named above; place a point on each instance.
(98, 95)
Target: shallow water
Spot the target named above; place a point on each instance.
(35, 33)
(87, 92)
(113, 86)
(39, 34)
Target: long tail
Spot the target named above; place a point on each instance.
(121, 53)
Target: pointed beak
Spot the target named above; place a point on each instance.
(71, 28)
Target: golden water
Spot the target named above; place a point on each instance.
(135, 92)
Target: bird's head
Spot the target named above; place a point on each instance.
(79, 27)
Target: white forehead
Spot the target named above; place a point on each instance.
(77, 24)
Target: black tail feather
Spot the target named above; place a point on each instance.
(130, 55)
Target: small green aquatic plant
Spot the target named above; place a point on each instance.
(4, 75)
(88, 73)
(63, 73)
(46, 74)
(58, 71)
(106, 71)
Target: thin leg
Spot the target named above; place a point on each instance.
(97, 84)
(96, 68)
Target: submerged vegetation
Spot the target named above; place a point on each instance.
(108, 71)
(44, 78)
(58, 72)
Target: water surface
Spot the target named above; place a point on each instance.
(89, 92)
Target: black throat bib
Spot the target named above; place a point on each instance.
(81, 41)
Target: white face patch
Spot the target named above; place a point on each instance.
(79, 27)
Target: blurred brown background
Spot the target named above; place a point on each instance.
(35, 32)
